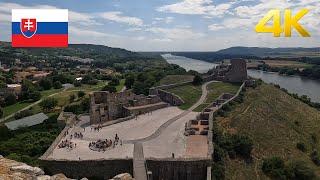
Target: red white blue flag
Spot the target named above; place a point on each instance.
(39, 28)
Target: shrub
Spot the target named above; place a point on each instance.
(23, 114)
(236, 145)
(243, 145)
(109, 88)
(48, 104)
(218, 171)
(274, 167)
(197, 80)
(57, 85)
(81, 94)
(10, 99)
(72, 97)
(45, 83)
(299, 170)
(315, 158)
(301, 146)
(114, 82)
(1, 112)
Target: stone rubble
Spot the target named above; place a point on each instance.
(10, 169)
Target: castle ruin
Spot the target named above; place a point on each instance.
(236, 72)
(106, 106)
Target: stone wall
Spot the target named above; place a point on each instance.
(105, 106)
(91, 169)
(167, 97)
(55, 143)
(177, 169)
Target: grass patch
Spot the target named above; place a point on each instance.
(276, 122)
(215, 89)
(121, 85)
(190, 94)
(49, 92)
(15, 107)
(172, 79)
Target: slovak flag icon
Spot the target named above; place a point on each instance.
(40, 28)
(28, 27)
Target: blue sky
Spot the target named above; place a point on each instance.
(171, 25)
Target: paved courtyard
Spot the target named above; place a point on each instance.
(161, 134)
(171, 140)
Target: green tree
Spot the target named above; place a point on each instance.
(10, 99)
(114, 81)
(129, 81)
(81, 94)
(29, 91)
(34, 95)
(45, 83)
(57, 85)
(197, 80)
(72, 97)
(109, 88)
(48, 104)
(1, 112)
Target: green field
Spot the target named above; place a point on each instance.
(172, 79)
(215, 89)
(276, 122)
(14, 108)
(20, 105)
(190, 94)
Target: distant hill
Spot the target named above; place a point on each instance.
(264, 52)
(252, 53)
(101, 53)
(276, 122)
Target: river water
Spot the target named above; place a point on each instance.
(189, 64)
(294, 84)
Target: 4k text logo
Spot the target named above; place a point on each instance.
(290, 22)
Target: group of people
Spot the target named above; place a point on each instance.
(96, 128)
(67, 144)
(78, 135)
(103, 145)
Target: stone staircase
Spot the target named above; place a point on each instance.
(139, 167)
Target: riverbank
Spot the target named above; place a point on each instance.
(294, 84)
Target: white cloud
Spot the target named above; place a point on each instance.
(85, 32)
(197, 7)
(176, 33)
(117, 16)
(166, 20)
(215, 27)
(82, 18)
(74, 17)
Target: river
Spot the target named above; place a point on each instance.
(294, 84)
(189, 64)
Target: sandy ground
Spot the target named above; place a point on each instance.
(172, 140)
(197, 146)
(142, 127)
(83, 152)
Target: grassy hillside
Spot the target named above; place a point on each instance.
(215, 90)
(172, 79)
(189, 93)
(276, 122)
